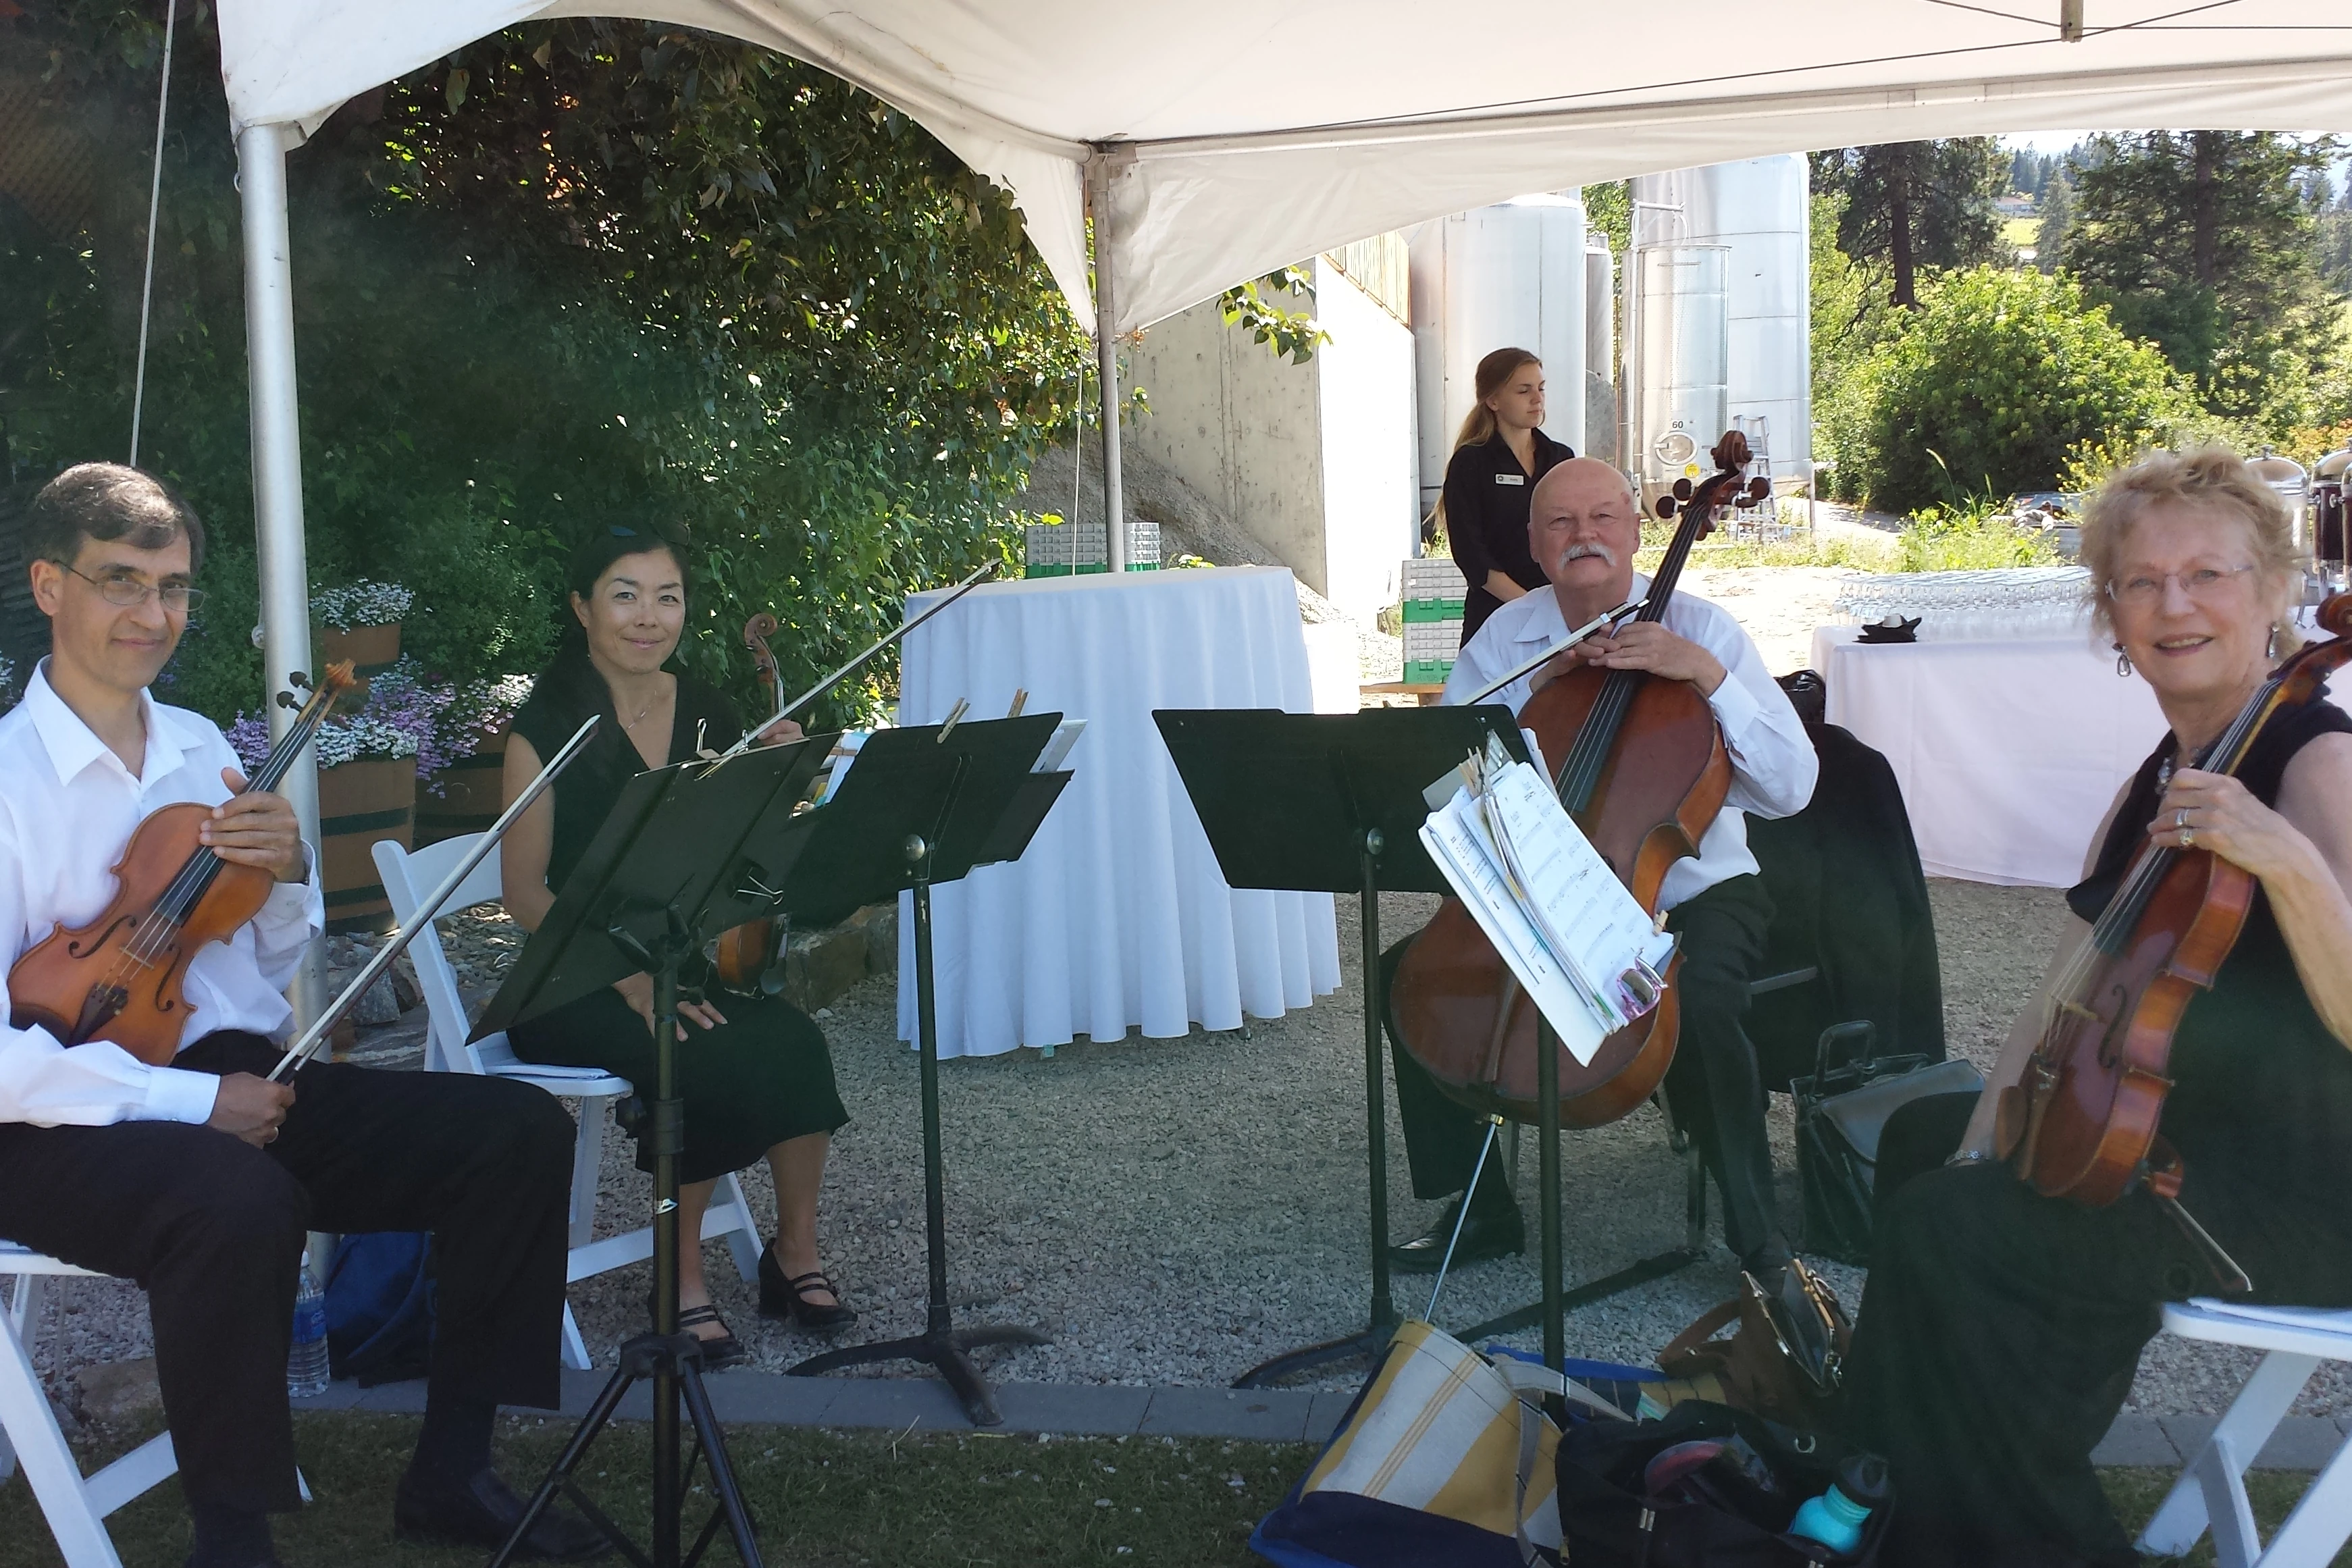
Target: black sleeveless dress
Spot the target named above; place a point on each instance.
(1999, 1330)
(761, 1078)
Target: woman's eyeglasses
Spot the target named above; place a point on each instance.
(2202, 584)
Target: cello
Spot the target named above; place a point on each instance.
(2081, 1120)
(120, 977)
(1642, 771)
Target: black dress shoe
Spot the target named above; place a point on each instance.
(481, 1510)
(783, 1297)
(1495, 1232)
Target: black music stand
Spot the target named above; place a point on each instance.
(671, 856)
(924, 806)
(1331, 803)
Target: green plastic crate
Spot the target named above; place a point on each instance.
(1432, 609)
(1417, 671)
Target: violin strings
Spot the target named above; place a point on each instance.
(149, 938)
(2122, 916)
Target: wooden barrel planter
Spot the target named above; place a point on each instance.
(371, 651)
(360, 802)
(469, 798)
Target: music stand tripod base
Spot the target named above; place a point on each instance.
(670, 1358)
(942, 1346)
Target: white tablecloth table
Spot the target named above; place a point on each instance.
(2008, 752)
(1118, 915)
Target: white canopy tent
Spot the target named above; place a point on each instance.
(1215, 140)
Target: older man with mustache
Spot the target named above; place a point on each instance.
(1583, 526)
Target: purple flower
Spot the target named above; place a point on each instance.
(249, 739)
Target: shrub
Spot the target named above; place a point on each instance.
(1989, 384)
(1974, 537)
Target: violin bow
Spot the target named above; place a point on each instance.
(307, 1044)
(786, 709)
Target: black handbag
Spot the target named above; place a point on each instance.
(1728, 1514)
(1842, 1108)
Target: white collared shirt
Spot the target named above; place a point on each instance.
(68, 808)
(1773, 764)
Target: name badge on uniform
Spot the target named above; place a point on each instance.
(1510, 478)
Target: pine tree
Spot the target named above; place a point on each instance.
(2203, 241)
(1918, 203)
(2057, 218)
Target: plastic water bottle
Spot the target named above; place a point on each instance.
(306, 1364)
(1836, 1519)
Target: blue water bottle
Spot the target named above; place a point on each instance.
(1836, 1518)
(305, 1364)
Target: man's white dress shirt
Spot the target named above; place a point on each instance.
(68, 808)
(1773, 765)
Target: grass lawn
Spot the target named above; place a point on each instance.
(831, 1500)
(2021, 231)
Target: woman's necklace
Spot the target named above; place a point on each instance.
(650, 703)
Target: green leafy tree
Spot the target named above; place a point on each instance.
(1917, 204)
(579, 270)
(1989, 384)
(1258, 307)
(1610, 209)
(1850, 311)
(2203, 241)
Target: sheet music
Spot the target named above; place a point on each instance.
(1585, 950)
(1065, 735)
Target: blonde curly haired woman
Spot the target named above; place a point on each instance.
(2001, 1330)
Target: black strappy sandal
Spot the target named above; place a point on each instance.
(783, 1297)
(720, 1352)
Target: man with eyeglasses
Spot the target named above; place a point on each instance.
(200, 1180)
(1583, 527)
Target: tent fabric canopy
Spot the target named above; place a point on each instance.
(1241, 137)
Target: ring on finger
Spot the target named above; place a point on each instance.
(2189, 838)
(2181, 817)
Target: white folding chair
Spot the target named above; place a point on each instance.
(2212, 1488)
(75, 1505)
(407, 880)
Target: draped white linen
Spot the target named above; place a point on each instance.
(2008, 752)
(1118, 915)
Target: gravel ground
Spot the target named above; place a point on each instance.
(1176, 1211)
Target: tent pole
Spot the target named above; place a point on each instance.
(278, 483)
(1098, 169)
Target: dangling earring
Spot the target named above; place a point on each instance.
(2272, 650)
(2123, 661)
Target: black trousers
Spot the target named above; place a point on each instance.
(1997, 1340)
(1714, 1086)
(212, 1228)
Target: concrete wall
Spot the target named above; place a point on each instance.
(1315, 461)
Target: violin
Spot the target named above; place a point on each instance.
(1643, 770)
(120, 977)
(2081, 1122)
(749, 960)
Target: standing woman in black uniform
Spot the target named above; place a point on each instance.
(1999, 1330)
(1497, 458)
(756, 1075)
